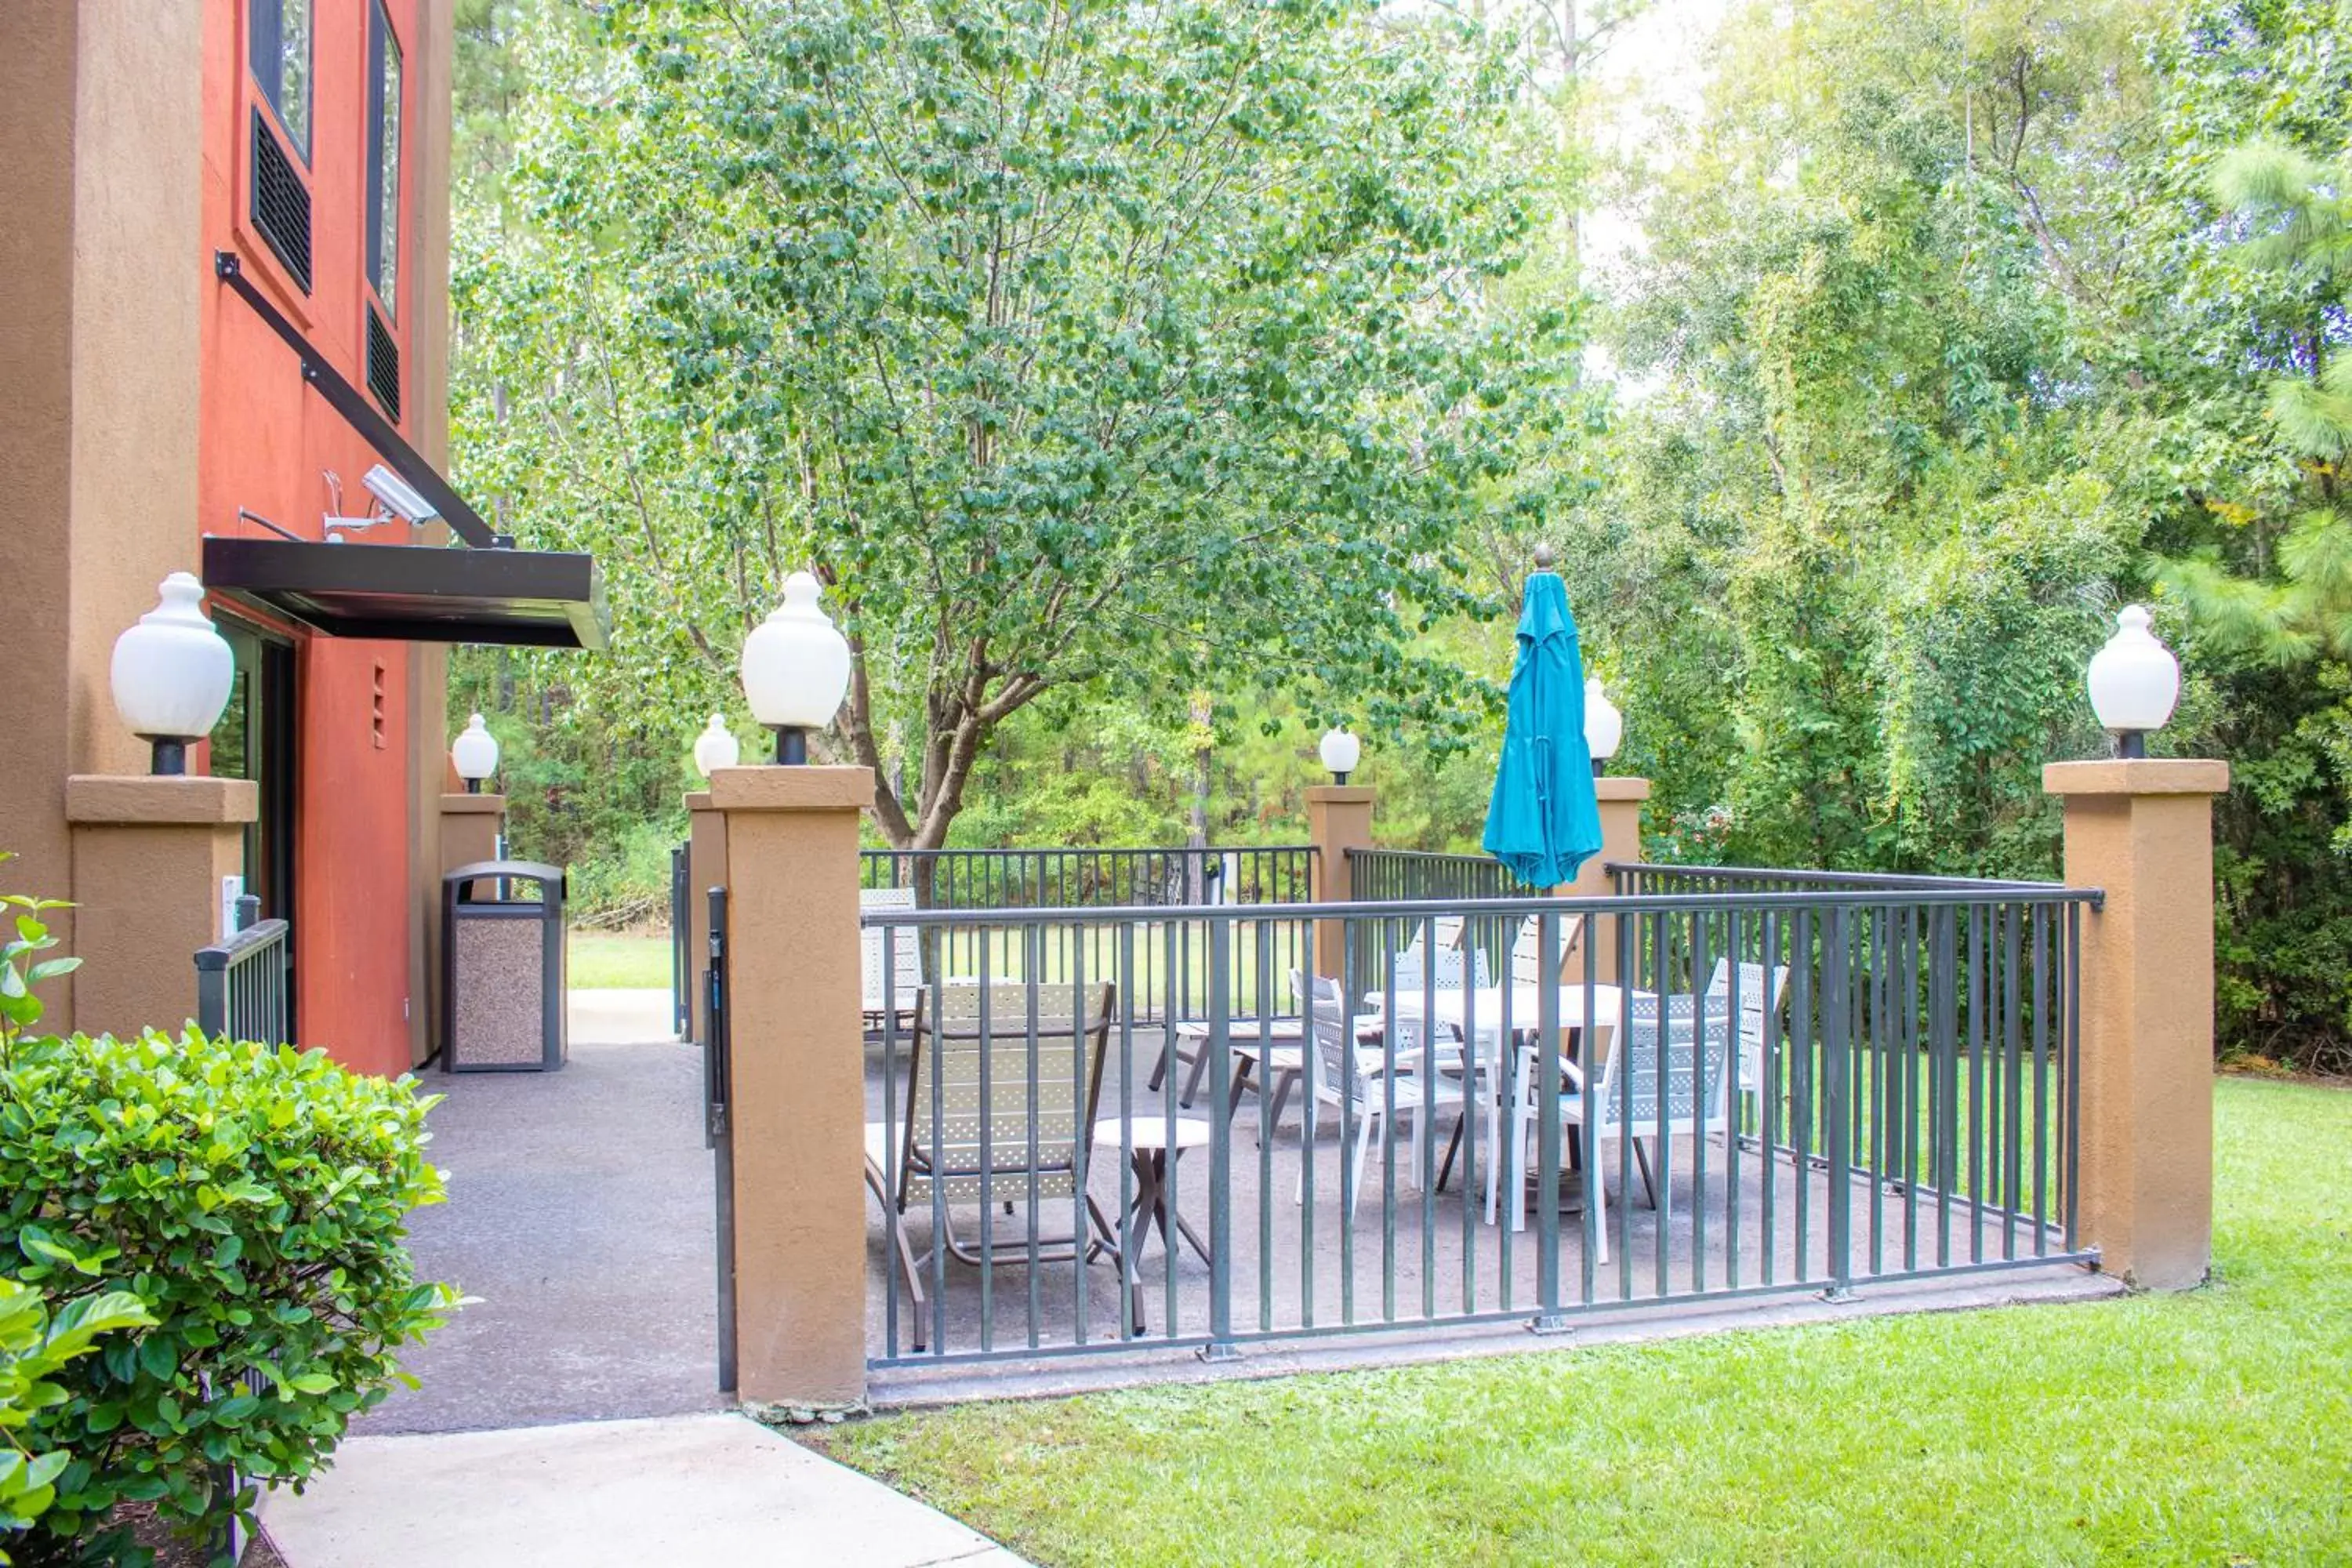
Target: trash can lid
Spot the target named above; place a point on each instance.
(549, 878)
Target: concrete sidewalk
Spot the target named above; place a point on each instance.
(678, 1491)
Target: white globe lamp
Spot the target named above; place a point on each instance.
(795, 668)
(475, 753)
(1605, 726)
(2134, 681)
(1340, 751)
(716, 748)
(173, 674)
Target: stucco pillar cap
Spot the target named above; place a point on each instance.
(1607, 787)
(1339, 795)
(698, 800)
(2136, 776)
(810, 788)
(466, 805)
(160, 800)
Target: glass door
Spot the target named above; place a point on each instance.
(255, 740)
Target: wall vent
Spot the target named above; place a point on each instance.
(281, 203)
(382, 365)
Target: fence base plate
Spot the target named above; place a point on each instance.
(1551, 1323)
(1218, 1355)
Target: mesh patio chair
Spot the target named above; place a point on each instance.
(901, 955)
(970, 1144)
(1669, 1075)
(1359, 1079)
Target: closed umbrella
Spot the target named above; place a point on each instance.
(1543, 821)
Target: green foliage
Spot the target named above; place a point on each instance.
(255, 1199)
(21, 965)
(1071, 344)
(35, 1346)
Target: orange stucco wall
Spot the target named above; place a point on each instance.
(266, 444)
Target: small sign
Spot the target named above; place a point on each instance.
(232, 889)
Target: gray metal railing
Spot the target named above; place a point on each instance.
(1386, 876)
(1023, 879)
(1777, 1092)
(681, 943)
(245, 986)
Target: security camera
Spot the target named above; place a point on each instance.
(400, 496)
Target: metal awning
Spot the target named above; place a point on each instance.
(492, 593)
(522, 598)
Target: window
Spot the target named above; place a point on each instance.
(383, 160)
(278, 33)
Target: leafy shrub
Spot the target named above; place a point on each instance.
(625, 883)
(255, 1198)
(33, 1345)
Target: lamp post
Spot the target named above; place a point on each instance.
(1340, 751)
(1605, 726)
(475, 754)
(716, 748)
(172, 674)
(2134, 681)
(795, 669)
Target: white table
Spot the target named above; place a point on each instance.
(1483, 1006)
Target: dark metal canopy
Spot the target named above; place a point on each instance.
(490, 594)
(525, 599)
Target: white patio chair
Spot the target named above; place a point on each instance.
(903, 952)
(999, 1143)
(1759, 1003)
(1676, 1050)
(1359, 1081)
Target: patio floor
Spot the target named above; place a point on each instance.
(1405, 1273)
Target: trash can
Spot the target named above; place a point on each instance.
(502, 967)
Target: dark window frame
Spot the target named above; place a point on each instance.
(265, 58)
(384, 203)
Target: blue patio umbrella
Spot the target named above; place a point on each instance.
(1543, 821)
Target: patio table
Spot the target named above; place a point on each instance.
(1483, 1005)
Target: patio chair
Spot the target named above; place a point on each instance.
(1527, 954)
(1359, 1079)
(902, 954)
(1674, 1049)
(1760, 1001)
(998, 1145)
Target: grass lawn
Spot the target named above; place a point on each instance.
(603, 961)
(2209, 1427)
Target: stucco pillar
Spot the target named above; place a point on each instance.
(470, 825)
(706, 867)
(148, 856)
(1339, 818)
(2142, 832)
(798, 1069)
(1620, 840)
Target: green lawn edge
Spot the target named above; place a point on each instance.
(2213, 1426)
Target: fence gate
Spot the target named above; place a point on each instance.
(717, 1132)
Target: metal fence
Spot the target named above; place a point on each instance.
(1770, 1091)
(681, 943)
(1387, 876)
(245, 986)
(1169, 880)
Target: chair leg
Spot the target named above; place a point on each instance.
(1365, 1132)
(1597, 1194)
(1454, 1147)
(1192, 1083)
(908, 1264)
(1642, 1159)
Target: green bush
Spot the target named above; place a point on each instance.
(33, 1345)
(255, 1198)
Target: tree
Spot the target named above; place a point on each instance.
(1151, 348)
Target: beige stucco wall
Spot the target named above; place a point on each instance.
(1339, 818)
(797, 1061)
(101, 268)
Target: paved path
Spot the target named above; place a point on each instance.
(571, 1415)
(676, 1492)
(580, 1218)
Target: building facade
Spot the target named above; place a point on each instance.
(150, 405)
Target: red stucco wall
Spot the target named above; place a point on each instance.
(266, 443)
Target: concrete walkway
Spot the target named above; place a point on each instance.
(686, 1491)
(570, 1415)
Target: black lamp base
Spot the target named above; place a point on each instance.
(1338, 777)
(792, 746)
(169, 754)
(2131, 745)
(1598, 767)
(473, 787)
